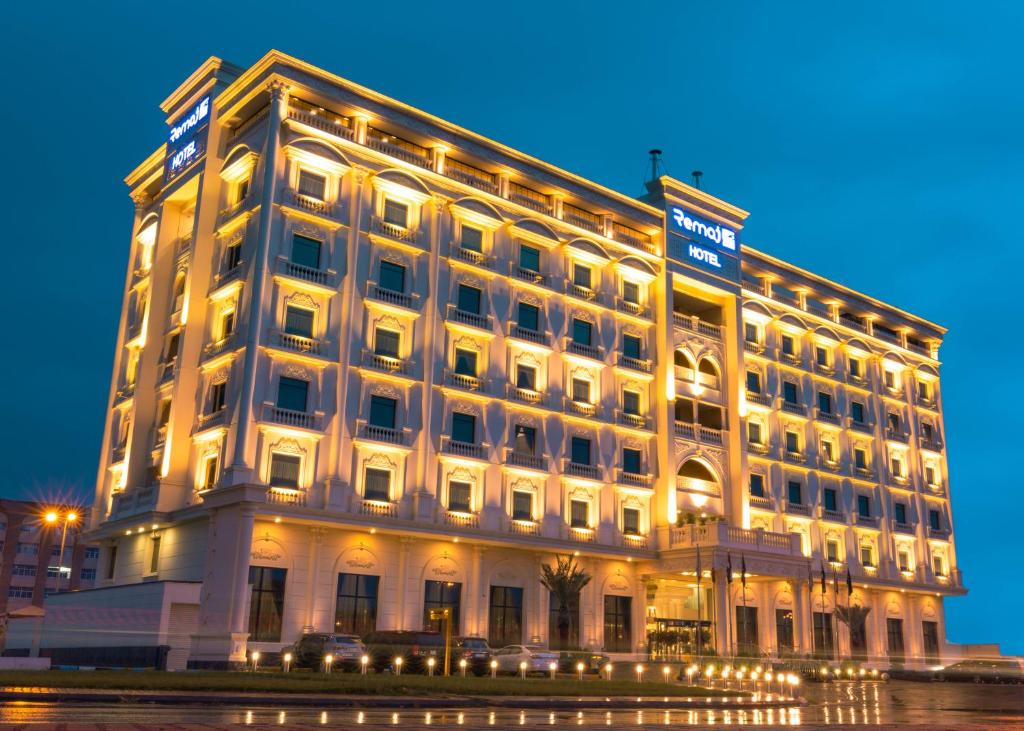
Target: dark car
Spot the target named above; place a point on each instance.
(415, 648)
(310, 650)
(474, 650)
(983, 671)
(593, 662)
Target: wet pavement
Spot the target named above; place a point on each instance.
(844, 704)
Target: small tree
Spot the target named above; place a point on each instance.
(854, 618)
(565, 582)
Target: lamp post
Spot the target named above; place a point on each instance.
(51, 518)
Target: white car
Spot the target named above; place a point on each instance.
(537, 659)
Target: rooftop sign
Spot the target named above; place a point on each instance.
(186, 140)
(702, 243)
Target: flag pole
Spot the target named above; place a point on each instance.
(810, 597)
(698, 607)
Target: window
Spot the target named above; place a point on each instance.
(23, 569)
(753, 382)
(787, 344)
(459, 495)
(893, 420)
(312, 184)
(631, 521)
(217, 391)
(581, 276)
(232, 255)
(465, 362)
(529, 258)
(463, 428)
(934, 520)
(632, 347)
(526, 377)
(792, 442)
(564, 626)
(266, 607)
(897, 466)
(857, 411)
(355, 609)
(579, 513)
(937, 568)
(864, 506)
(505, 615)
(298, 321)
(900, 513)
(522, 505)
(292, 393)
(750, 333)
(631, 402)
(784, 629)
(529, 317)
(746, 631)
(382, 411)
(757, 485)
(582, 332)
(796, 492)
(754, 432)
(87, 575)
(210, 473)
(823, 638)
(386, 343)
(789, 392)
(154, 555)
(929, 475)
(903, 560)
(241, 190)
(20, 592)
(28, 549)
(392, 276)
(821, 356)
(92, 553)
(855, 367)
(924, 391)
(580, 451)
(631, 292)
(632, 461)
(469, 299)
(377, 485)
(227, 323)
(828, 450)
(171, 352)
(395, 213)
(830, 500)
(306, 251)
(832, 550)
(581, 390)
(472, 239)
(618, 623)
(894, 639)
(867, 558)
(890, 378)
(442, 595)
(111, 562)
(284, 470)
(860, 458)
(824, 403)
(525, 440)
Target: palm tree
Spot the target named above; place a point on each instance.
(565, 582)
(854, 618)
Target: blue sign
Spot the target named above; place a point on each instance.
(703, 230)
(186, 140)
(702, 243)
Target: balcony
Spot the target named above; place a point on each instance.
(390, 231)
(537, 337)
(699, 433)
(824, 369)
(829, 417)
(529, 198)
(124, 393)
(720, 534)
(593, 352)
(464, 382)
(298, 343)
(208, 421)
(472, 319)
(633, 364)
(861, 426)
(297, 419)
(634, 479)
(386, 363)
(286, 496)
(868, 521)
(902, 527)
(633, 421)
(461, 519)
(798, 509)
(524, 527)
(895, 436)
(410, 301)
(932, 445)
(581, 534)
(854, 323)
(579, 408)
(793, 408)
(759, 398)
(759, 447)
(865, 472)
(310, 204)
(794, 457)
(633, 308)
(321, 277)
(833, 515)
(585, 471)
(463, 449)
(537, 462)
(761, 503)
(223, 345)
(117, 453)
(857, 380)
(387, 435)
(378, 508)
(581, 218)
(325, 122)
(755, 348)
(473, 257)
(471, 176)
(398, 148)
(528, 275)
(697, 325)
(632, 237)
(938, 533)
(583, 293)
(635, 541)
(526, 395)
(132, 502)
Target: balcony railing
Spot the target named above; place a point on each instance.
(829, 416)
(632, 308)
(727, 536)
(861, 426)
(528, 275)
(932, 444)
(582, 535)
(634, 421)
(465, 382)
(461, 519)
(584, 293)
(526, 395)
(524, 527)
(579, 217)
(902, 527)
(634, 364)
(287, 417)
(529, 198)
(378, 508)
(697, 325)
(871, 521)
(798, 508)
(794, 408)
(586, 471)
(325, 122)
(473, 257)
(286, 496)
(400, 299)
(699, 433)
(539, 337)
(464, 449)
(761, 502)
(130, 502)
(389, 230)
(470, 175)
(631, 236)
(633, 540)
(483, 322)
(753, 347)
(895, 436)
(939, 533)
(526, 461)
(388, 435)
(833, 515)
(298, 343)
(587, 351)
(312, 204)
(386, 363)
(397, 147)
(580, 408)
(323, 277)
(633, 479)
(853, 323)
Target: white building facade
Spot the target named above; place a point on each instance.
(370, 363)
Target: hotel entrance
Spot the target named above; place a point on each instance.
(680, 625)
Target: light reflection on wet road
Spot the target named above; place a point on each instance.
(836, 704)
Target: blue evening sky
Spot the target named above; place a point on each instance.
(878, 144)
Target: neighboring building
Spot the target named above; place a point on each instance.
(30, 559)
(371, 363)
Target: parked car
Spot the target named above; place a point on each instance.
(310, 649)
(984, 671)
(593, 662)
(475, 651)
(415, 648)
(537, 659)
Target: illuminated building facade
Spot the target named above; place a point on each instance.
(370, 363)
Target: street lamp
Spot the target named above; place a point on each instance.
(70, 517)
(287, 665)
(494, 669)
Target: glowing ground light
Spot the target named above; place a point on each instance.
(287, 660)
(364, 661)
(462, 666)
(639, 673)
(522, 669)
(494, 669)
(430, 665)
(328, 661)
(398, 665)
(608, 671)
(552, 668)
(580, 667)
(255, 659)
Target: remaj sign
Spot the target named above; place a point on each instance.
(702, 242)
(186, 140)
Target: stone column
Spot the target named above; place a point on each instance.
(722, 615)
(316, 538)
(404, 544)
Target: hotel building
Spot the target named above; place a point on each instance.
(370, 363)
